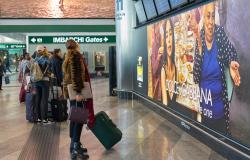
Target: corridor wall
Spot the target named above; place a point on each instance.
(172, 67)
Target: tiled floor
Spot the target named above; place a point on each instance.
(52, 9)
(146, 135)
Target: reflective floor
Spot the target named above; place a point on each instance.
(146, 135)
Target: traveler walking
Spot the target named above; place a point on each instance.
(2, 72)
(7, 63)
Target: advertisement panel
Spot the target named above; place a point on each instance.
(197, 61)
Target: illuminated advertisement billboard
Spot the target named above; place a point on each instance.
(199, 60)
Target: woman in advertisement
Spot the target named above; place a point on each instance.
(168, 71)
(214, 55)
(156, 61)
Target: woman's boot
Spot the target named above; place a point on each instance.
(76, 152)
(81, 148)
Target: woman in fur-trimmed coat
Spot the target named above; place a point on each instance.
(76, 73)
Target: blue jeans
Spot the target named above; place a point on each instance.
(42, 97)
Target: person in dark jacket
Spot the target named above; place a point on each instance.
(56, 66)
(2, 72)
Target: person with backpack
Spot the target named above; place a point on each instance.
(40, 81)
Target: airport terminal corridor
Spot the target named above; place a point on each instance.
(169, 80)
(146, 135)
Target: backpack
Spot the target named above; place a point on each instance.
(36, 73)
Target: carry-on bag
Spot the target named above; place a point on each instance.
(31, 113)
(106, 131)
(58, 105)
(59, 110)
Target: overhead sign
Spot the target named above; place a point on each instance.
(12, 46)
(63, 39)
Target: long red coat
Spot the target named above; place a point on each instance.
(89, 102)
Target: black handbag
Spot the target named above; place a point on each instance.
(79, 114)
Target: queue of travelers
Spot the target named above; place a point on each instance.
(40, 72)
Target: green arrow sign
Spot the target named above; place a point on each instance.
(12, 46)
(63, 39)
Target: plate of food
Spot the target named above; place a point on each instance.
(189, 47)
(176, 24)
(183, 74)
(190, 34)
(190, 78)
(189, 66)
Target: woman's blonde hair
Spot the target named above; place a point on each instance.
(71, 46)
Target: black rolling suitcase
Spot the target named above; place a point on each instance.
(58, 105)
(106, 131)
(58, 109)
